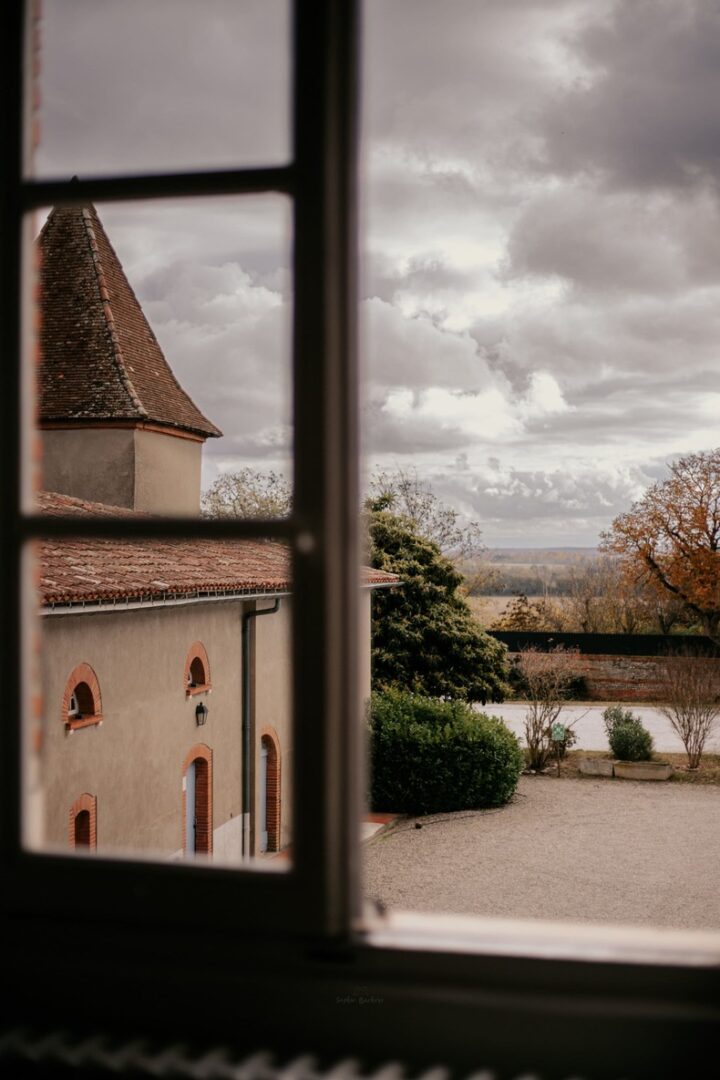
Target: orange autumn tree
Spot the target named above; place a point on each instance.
(670, 538)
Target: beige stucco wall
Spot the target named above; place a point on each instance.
(272, 699)
(133, 467)
(167, 473)
(134, 761)
(90, 463)
(272, 706)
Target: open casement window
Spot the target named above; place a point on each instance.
(293, 954)
(82, 705)
(315, 895)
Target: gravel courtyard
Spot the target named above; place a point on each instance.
(586, 850)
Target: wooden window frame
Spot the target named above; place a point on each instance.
(281, 949)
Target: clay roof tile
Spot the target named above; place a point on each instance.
(100, 357)
(99, 570)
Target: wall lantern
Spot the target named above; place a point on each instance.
(201, 712)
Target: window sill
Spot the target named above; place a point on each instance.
(204, 688)
(544, 940)
(86, 721)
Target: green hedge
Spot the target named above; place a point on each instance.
(429, 756)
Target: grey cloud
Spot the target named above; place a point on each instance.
(430, 272)
(385, 434)
(623, 337)
(413, 352)
(522, 495)
(616, 243)
(648, 117)
(160, 85)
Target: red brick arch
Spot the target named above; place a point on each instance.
(83, 683)
(269, 737)
(197, 666)
(82, 826)
(202, 755)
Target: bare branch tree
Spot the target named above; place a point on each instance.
(403, 493)
(691, 688)
(547, 679)
(248, 493)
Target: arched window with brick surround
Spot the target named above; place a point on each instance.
(82, 704)
(197, 670)
(197, 802)
(270, 802)
(82, 826)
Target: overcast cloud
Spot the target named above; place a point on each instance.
(541, 233)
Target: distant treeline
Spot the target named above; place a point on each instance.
(504, 580)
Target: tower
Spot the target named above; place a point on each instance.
(116, 425)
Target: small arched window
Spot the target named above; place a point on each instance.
(82, 828)
(82, 704)
(197, 670)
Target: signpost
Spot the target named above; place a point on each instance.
(557, 735)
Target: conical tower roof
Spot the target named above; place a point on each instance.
(100, 361)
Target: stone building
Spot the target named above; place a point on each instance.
(167, 697)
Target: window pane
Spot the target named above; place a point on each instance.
(164, 666)
(540, 340)
(172, 84)
(165, 355)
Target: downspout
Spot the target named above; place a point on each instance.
(246, 741)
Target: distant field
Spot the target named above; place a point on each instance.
(489, 608)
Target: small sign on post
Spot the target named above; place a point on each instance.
(557, 734)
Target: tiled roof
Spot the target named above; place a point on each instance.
(100, 359)
(92, 570)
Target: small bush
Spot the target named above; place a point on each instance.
(630, 740)
(429, 756)
(616, 714)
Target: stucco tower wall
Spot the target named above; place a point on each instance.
(167, 473)
(97, 464)
(133, 467)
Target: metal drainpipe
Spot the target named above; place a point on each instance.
(246, 747)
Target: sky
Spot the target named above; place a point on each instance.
(540, 287)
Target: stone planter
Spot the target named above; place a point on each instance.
(596, 766)
(643, 770)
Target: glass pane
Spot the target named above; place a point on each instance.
(164, 371)
(153, 87)
(159, 719)
(540, 296)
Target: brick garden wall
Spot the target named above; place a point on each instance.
(616, 667)
(622, 678)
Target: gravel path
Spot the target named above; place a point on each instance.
(586, 850)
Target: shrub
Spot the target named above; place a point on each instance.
(630, 740)
(616, 714)
(428, 755)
